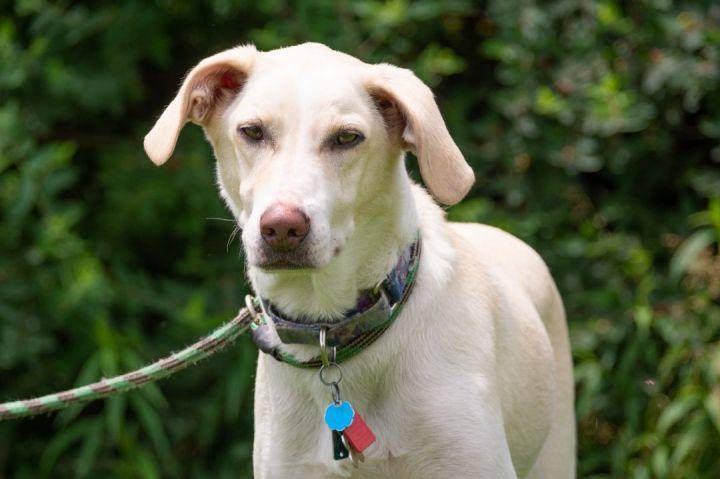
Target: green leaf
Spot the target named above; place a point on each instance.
(714, 214)
(677, 410)
(63, 440)
(146, 465)
(688, 439)
(115, 414)
(152, 423)
(689, 251)
(211, 416)
(712, 407)
(89, 450)
(660, 462)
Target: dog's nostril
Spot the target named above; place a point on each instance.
(268, 232)
(283, 226)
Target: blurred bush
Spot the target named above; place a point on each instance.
(594, 130)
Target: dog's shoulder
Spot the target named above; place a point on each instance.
(498, 247)
(491, 254)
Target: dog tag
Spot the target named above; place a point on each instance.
(355, 457)
(339, 449)
(339, 416)
(358, 434)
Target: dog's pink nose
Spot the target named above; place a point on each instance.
(283, 226)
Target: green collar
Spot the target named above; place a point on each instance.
(373, 314)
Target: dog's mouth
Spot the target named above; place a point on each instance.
(277, 261)
(306, 257)
(284, 265)
(291, 260)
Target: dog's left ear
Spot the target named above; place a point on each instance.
(411, 116)
(210, 86)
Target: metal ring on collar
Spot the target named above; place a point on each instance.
(324, 371)
(323, 347)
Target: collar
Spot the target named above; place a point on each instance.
(374, 312)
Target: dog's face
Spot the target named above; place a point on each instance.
(303, 147)
(306, 139)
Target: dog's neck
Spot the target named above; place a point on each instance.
(366, 259)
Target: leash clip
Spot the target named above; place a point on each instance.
(257, 311)
(262, 335)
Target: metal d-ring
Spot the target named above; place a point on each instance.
(327, 355)
(323, 348)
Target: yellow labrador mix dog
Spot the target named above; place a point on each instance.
(398, 345)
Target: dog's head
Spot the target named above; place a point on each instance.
(307, 139)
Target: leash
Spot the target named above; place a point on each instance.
(204, 348)
(250, 317)
(364, 328)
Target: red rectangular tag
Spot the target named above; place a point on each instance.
(359, 434)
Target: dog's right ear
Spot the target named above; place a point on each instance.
(212, 84)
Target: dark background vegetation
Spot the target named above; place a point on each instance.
(594, 130)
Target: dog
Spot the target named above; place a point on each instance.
(473, 378)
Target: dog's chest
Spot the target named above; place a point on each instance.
(298, 439)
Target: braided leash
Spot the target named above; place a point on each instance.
(250, 317)
(214, 342)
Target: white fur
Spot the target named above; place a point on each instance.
(474, 379)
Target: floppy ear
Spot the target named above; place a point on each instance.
(212, 84)
(411, 115)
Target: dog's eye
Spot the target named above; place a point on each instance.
(254, 132)
(348, 138)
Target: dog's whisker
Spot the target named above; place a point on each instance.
(232, 236)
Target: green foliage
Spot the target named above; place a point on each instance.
(594, 130)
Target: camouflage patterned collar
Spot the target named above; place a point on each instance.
(373, 313)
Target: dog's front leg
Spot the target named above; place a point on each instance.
(261, 443)
(290, 441)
